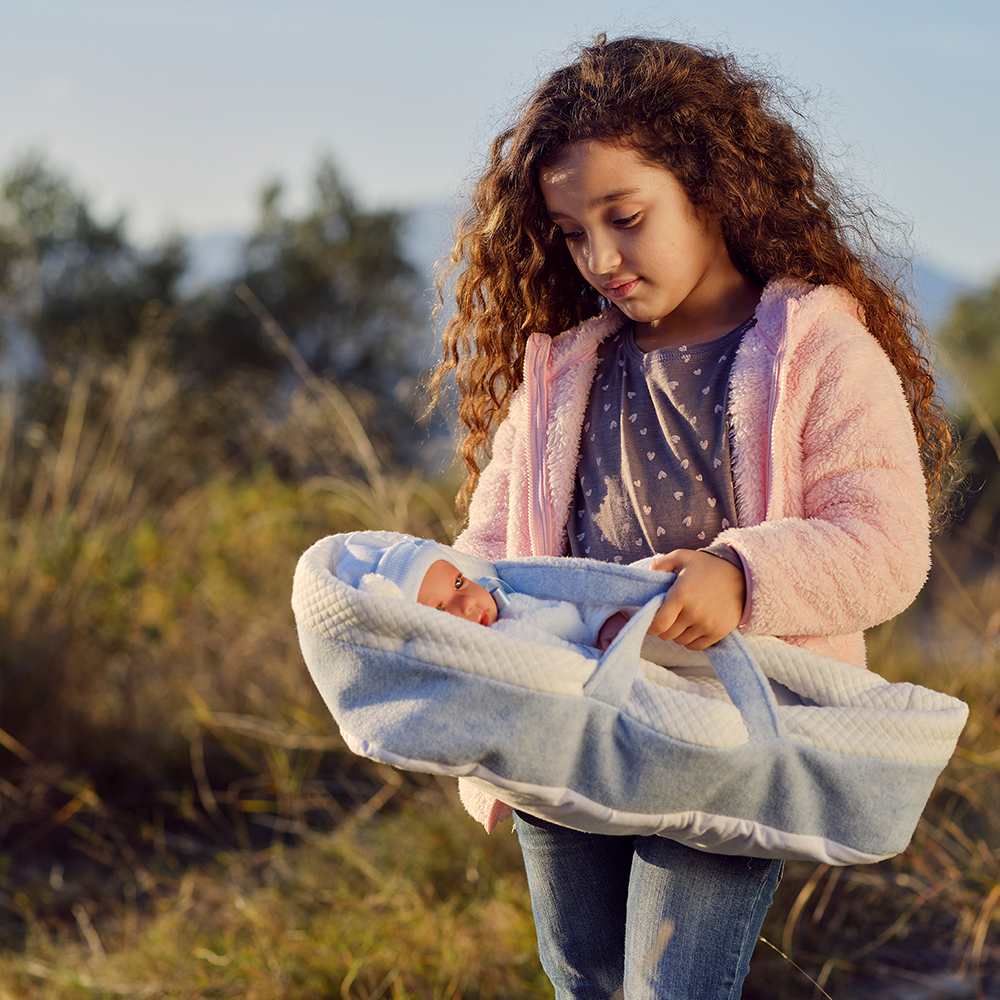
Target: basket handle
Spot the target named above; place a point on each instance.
(730, 658)
(745, 682)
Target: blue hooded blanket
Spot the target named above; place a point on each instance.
(648, 738)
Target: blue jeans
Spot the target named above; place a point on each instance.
(643, 915)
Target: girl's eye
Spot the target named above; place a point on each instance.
(572, 237)
(627, 223)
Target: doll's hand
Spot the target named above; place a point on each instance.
(704, 604)
(611, 627)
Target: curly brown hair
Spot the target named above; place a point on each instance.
(715, 127)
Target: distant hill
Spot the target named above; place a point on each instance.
(428, 234)
(935, 291)
(214, 257)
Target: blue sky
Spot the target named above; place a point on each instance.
(177, 111)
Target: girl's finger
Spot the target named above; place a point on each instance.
(672, 562)
(690, 637)
(665, 620)
(702, 642)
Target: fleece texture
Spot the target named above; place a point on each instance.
(833, 523)
(833, 530)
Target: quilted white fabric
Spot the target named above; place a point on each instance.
(695, 717)
(862, 713)
(331, 608)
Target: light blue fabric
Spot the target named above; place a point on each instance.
(416, 688)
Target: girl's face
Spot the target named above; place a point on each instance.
(635, 236)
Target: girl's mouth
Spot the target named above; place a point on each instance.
(619, 289)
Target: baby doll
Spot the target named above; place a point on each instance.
(422, 570)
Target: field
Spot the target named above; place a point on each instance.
(178, 815)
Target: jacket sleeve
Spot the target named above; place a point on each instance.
(486, 537)
(851, 548)
(489, 510)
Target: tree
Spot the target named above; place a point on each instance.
(334, 278)
(74, 283)
(338, 284)
(971, 338)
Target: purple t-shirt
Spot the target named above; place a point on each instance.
(654, 472)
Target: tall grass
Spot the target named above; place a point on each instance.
(179, 817)
(404, 907)
(153, 703)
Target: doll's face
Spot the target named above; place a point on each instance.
(445, 588)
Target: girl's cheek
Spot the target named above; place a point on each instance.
(588, 275)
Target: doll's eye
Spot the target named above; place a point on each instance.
(459, 581)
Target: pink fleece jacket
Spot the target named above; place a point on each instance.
(833, 523)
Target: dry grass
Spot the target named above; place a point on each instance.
(179, 818)
(410, 906)
(153, 702)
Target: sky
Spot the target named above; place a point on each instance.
(177, 112)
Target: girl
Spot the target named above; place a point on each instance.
(736, 389)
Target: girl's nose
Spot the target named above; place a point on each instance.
(603, 255)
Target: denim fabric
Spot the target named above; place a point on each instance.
(662, 920)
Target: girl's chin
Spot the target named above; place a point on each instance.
(636, 312)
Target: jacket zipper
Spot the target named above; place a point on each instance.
(772, 408)
(540, 529)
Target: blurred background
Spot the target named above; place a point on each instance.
(218, 226)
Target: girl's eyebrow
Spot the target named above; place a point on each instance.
(607, 199)
(604, 199)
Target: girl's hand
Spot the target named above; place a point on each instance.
(704, 604)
